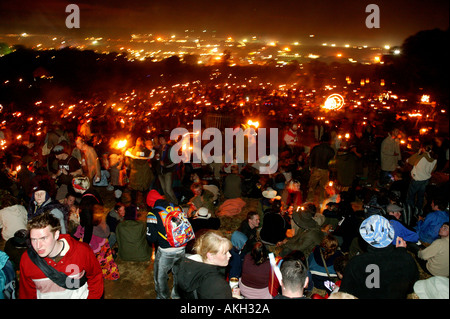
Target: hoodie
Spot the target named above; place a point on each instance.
(7, 277)
(198, 280)
(56, 209)
(12, 219)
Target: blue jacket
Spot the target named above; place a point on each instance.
(402, 231)
(7, 277)
(428, 229)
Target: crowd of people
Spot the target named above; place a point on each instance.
(335, 206)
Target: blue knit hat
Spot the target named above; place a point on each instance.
(238, 239)
(377, 231)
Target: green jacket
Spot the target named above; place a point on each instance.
(131, 237)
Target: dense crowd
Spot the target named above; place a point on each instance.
(347, 193)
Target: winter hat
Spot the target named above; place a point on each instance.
(152, 197)
(42, 184)
(391, 208)
(130, 213)
(238, 239)
(81, 184)
(20, 238)
(435, 287)
(377, 231)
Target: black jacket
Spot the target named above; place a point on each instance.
(320, 156)
(198, 280)
(380, 273)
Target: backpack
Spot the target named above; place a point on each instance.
(179, 230)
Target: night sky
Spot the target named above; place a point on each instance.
(281, 19)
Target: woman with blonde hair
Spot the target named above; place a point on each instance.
(202, 275)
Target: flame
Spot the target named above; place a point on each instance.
(121, 144)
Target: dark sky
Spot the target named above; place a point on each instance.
(282, 19)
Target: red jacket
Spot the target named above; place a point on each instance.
(78, 261)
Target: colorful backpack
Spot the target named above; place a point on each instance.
(178, 228)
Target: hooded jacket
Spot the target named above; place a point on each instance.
(12, 219)
(392, 278)
(141, 174)
(56, 209)
(198, 280)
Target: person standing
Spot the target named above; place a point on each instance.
(89, 160)
(390, 155)
(167, 258)
(320, 157)
(61, 253)
(424, 164)
(165, 169)
(141, 174)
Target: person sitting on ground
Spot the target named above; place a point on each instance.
(41, 201)
(239, 240)
(321, 263)
(400, 229)
(308, 233)
(202, 198)
(16, 246)
(132, 237)
(232, 185)
(249, 227)
(391, 268)
(13, 216)
(114, 218)
(202, 220)
(428, 227)
(273, 231)
(434, 258)
(254, 281)
(294, 280)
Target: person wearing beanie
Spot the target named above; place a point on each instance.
(68, 167)
(385, 271)
(400, 229)
(41, 201)
(152, 197)
(238, 240)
